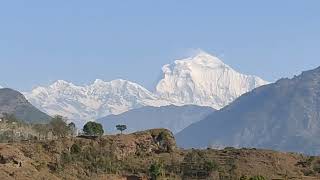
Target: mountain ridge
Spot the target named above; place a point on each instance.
(282, 116)
(14, 103)
(99, 99)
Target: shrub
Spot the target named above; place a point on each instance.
(155, 170)
(257, 178)
(75, 149)
(210, 166)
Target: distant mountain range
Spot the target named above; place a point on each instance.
(201, 80)
(282, 116)
(87, 103)
(14, 103)
(174, 118)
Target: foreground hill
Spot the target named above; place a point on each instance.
(281, 116)
(13, 102)
(170, 117)
(145, 153)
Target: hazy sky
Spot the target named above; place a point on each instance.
(81, 40)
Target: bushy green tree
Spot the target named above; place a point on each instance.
(93, 129)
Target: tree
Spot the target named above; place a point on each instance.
(93, 129)
(72, 129)
(121, 127)
(59, 127)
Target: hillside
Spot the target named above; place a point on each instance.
(174, 118)
(132, 156)
(281, 116)
(13, 102)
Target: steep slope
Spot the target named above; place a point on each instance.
(281, 116)
(170, 117)
(204, 80)
(13, 102)
(93, 101)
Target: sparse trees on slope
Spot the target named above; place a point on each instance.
(59, 127)
(93, 129)
(42, 130)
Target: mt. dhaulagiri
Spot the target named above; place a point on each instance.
(13, 102)
(282, 116)
(204, 80)
(201, 80)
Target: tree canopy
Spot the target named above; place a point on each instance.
(93, 129)
(121, 127)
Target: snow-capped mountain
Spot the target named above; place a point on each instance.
(201, 80)
(83, 103)
(204, 80)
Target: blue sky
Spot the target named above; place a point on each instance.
(81, 40)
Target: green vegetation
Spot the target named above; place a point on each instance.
(257, 178)
(93, 129)
(155, 170)
(12, 129)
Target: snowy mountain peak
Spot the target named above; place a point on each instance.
(204, 59)
(204, 80)
(61, 84)
(99, 81)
